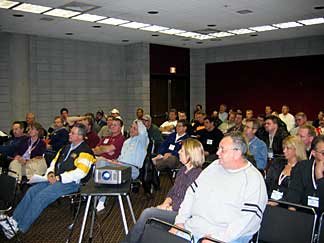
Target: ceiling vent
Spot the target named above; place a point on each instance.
(244, 11)
(206, 31)
(78, 6)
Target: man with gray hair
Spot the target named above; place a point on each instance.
(227, 200)
(153, 131)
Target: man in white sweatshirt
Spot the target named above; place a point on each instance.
(227, 200)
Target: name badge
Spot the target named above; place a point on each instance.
(270, 153)
(209, 141)
(106, 141)
(313, 201)
(276, 195)
(171, 147)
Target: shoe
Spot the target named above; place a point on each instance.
(9, 227)
(100, 206)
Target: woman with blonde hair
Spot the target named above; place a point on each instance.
(278, 177)
(192, 157)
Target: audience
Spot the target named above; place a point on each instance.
(227, 124)
(307, 133)
(70, 165)
(227, 200)
(301, 120)
(139, 113)
(153, 132)
(238, 127)
(222, 114)
(100, 119)
(106, 129)
(91, 138)
(192, 157)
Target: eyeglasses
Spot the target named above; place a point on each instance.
(222, 150)
(320, 152)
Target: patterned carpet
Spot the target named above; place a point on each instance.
(52, 225)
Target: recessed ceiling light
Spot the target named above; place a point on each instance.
(113, 21)
(69, 33)
(18, 15)
(62, 13)
(7, 4)
(244, 11)
(312, 21)
(134, 25)
(125, 40)
(319, 7)
(153, 12)
(263, 28)
(199, 42)
(291, 24)
(211, 25)
(31, 8)
(155, 35)
(171, 31)
(89, 17)
(221, 34)
(241, 31)
(154, 28)
(96, 26)
(254, 35)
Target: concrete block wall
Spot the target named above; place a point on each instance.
(82, 76)
(262, 50)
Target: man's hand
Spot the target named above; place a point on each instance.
(159, 156)
(174, 230)
(51, 178)
(166, 155)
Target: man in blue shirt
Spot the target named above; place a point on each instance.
(256, 146)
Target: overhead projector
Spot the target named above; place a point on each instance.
(112, 174)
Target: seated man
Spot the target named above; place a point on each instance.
(168, 156)
(29, 155)
(110, 146)
(227, 200)
(59, 137)
(199, 123)
(153, 131)
(210, 138)
(10, 147)
(168, 126)
(70, 165)
(256, 146)
(91, 138)
(105, 130)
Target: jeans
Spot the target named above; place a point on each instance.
(37, 198)
(135, 234)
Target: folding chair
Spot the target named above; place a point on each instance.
(320, 231)
(8, 185)
(157, 231)
(210, 239)
(282, 225)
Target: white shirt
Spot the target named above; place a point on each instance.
(289, 119)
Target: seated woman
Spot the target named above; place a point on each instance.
(278, 176)
(29, 158)
(132, 154)
(192, 157)
(307, 179)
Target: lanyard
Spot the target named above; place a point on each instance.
(270, 140)
(313, 175)
(281, 178)
(31, 146)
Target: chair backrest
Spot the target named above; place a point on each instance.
(85, 179)
(7, 191)
(157, 231)
(282, 225)
(210, 239)
(321, 229)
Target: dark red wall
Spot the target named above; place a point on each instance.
(295, 81)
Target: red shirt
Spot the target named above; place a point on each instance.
(92, 139)
(117, 141)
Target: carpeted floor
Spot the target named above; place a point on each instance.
(52, 225)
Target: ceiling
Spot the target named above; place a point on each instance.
(189, 15)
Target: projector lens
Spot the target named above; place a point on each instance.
(106, 175)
